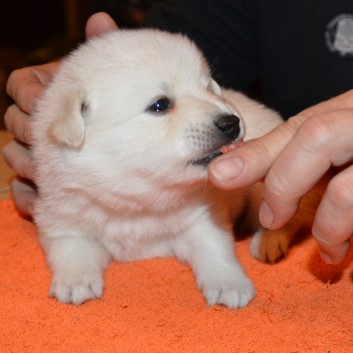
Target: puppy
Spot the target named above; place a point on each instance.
(122, 139)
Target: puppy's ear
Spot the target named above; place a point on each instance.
(68, 128)
(216, 88)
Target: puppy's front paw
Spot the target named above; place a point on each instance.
(76, 289)
(236, 293)
(269, 246)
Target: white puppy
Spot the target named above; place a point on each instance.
(123, 136)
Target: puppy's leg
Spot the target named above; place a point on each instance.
(271, 245)
(210, 252)
(77, 266)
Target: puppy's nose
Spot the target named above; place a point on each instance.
(229, 125)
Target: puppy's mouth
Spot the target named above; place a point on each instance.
(207, 159)
(204, 161)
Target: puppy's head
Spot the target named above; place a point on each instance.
(138, 106)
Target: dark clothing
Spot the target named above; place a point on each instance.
(288, 54)
(298, 53)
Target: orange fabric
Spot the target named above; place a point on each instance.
(151, 306)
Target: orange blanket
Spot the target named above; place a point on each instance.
(151, 306)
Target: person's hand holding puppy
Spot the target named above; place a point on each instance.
(292, 159)
(25, 86)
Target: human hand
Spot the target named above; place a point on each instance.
(292, 159)
(25, 86)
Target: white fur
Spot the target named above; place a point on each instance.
(117, 181)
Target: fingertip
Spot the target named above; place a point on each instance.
(266, 215)
(18, 157)
(224, 170)
(334, 255)
(30, 101)
(24, 195)
(333, 249)
(326, 257)
(98, 24)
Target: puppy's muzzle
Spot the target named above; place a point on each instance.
(229, 125)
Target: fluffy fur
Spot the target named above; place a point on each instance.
(123, 136)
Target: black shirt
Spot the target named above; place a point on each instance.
(297, 52)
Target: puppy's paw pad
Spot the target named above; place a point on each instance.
(77, 289)
(234, 295)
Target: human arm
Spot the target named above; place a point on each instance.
(292, 159)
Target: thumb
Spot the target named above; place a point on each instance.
(251, 161)
(99, 24)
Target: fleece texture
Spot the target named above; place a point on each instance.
(302, 304)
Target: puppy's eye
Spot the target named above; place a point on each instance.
(160, 105)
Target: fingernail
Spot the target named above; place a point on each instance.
(327, 258)
(338, 253)
(266, 215)
(227, 168)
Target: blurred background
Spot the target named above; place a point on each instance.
(35, 32)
